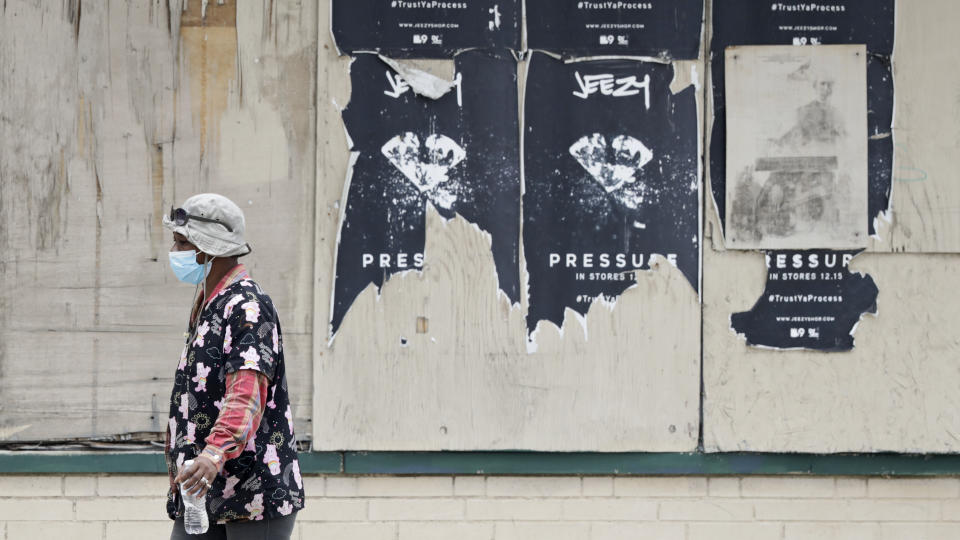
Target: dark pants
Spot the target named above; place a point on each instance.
(265, 529)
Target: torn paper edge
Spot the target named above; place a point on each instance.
(486, 235)
(351, 162)
(708, 136)
(525, 269)
(701, 116)
(355, 155)
(421, 82)
(523, 27)
(333, 37)
(531, 340)
(653, 264)
(887, 215)
(636, 58)
(701, 184)
(874, 314)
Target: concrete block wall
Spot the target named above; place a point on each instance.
(87, 507)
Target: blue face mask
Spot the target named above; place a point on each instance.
(185, 266)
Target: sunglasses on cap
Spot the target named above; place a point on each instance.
(180, 217)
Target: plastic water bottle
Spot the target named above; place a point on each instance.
(195, 519)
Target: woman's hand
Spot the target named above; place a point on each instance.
(198, 477)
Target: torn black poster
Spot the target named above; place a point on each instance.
(459, 153)
(830, 22)
(612, 178)
(811, 301)
(668, 29)
(425, 28)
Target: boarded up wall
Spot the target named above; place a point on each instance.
(626, 379)
(111, 113)
(895, 390)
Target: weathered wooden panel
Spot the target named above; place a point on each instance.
(81, 383)
(926, 169)
(896, 391)
(111, 113)
(438, 359)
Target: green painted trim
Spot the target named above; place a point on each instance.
(130, 462)
(81, 462)
(695, 464)
(321, 462)
(513, 463)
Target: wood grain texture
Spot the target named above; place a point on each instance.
(627, 379)
(926, 170)
(111, 114)
(894, 392)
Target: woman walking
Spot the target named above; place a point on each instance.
(229, 410)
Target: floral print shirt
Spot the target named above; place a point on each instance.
(238, 329)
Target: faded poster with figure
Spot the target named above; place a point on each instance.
(796, 147)
(833, 22)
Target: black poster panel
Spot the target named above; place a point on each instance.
(811, 301)
(668, 29)
(828, 22)
(425, 28)
(611, 176)
(459, 153)
(879, 129)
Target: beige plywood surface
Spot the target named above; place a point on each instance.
(896, 391)
(626, 379)
(111, 114)
(926, 173)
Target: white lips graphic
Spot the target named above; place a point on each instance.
(442, 153)
(629, 156)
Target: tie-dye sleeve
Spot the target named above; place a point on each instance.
(240, 415)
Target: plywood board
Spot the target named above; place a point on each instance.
(120, 110)
(926, 132)
(893, 392)
(439, 359)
